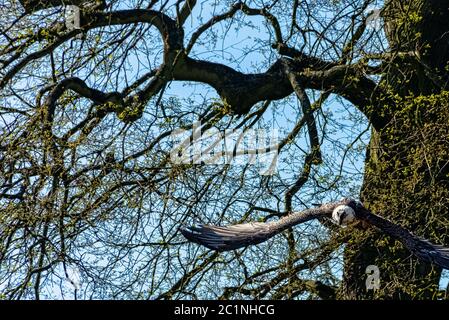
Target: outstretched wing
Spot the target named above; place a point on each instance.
(241, 235)
(421, 248)
(228, 238)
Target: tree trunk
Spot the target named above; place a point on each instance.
(406, 174)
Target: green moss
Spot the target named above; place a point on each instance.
(222, 106)
(406, 180)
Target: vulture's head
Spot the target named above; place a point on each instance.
(343, 215)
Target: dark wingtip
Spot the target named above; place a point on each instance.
(427, 251)
(190, 233)
(440, 256)
(230, 237)
(198, 235)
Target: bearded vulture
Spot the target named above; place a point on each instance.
(342, 213)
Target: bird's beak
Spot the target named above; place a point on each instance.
(341, 217)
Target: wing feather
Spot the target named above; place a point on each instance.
(228, 238)
(241, 235)
(421, 248)
(245, 234)
(430, 252)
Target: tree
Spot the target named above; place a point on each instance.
(89, 187)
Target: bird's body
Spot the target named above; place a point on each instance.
(342, 213)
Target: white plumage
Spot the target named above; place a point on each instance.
(343, 215)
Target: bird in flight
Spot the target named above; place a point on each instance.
(342, 213)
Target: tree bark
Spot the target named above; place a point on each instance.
(404, 175)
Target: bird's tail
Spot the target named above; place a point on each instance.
(230, 237)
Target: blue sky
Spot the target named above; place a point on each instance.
(245, 49)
